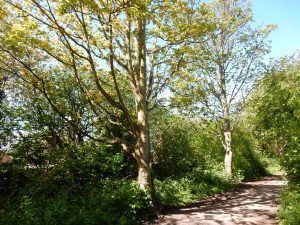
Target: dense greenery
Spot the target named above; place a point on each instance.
(275, 118)
(290, 205)
(181, 145)
(94, 183)
(93, 138)
(87, 187)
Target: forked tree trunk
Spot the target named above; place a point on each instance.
(142, 149)
(142, 152)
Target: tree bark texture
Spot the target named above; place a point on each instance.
(227, 123)
(142, 151)
(228, 148)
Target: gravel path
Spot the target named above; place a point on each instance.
(251, 203)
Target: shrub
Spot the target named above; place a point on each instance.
(172, 151)
(181, 145)
(194, 186)
(290, 205)
(110, 202)
(86, 186)
(247, 160)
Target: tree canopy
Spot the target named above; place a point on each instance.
(129, 106)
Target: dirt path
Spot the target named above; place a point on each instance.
(251, 203)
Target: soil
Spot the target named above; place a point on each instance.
(248, 204)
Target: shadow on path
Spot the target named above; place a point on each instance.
(250, 203)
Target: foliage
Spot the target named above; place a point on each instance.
(275, 115)
(173, 154)
(108, 202)
(98, 177)
(223, 63)
(273, 165)
(192, 187)
(248, 161)
(77, 81)
(79, 189)
(180, 145)
(290, 205)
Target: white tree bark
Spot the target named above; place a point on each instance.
(142, 150)
(228, 149)
(227, 123)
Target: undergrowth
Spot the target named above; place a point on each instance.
(174, 192)
(290, 205)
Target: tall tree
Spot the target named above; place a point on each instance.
(223, 66)
(117, 51)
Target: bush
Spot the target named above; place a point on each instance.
(247, 160)
(291, 161)
(192, 187)
(110, 202)
(181, 145)
(290, 205)
(87, 185)
(90, 183)
(172, 151)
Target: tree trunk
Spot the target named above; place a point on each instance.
(227, 125)
(142, 153)
(228, 147)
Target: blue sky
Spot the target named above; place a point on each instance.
(286, 14)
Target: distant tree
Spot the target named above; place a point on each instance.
(222, 67)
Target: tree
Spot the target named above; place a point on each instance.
(223, 66)
(117, 52)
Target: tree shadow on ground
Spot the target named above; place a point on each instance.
(248, 204)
